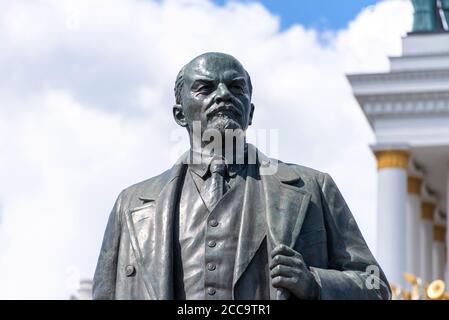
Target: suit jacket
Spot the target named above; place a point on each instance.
(303, 208)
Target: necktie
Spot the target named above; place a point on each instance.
(216, 186)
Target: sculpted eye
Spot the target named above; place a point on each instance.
(205, 89)
(238, 88)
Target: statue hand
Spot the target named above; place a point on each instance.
(289, 271)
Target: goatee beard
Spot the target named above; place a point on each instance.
(223, 123)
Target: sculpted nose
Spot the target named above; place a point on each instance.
(223, 93)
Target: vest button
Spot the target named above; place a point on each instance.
(213, 223)
(130, 270)
(211, 243)
(211, 291)
(211, 266)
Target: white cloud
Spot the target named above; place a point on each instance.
(85, 110)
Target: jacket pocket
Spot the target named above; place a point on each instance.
(143, 212)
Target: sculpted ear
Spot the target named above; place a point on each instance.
(251, 114)
(178, 114)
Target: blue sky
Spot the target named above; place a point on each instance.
(317, 14)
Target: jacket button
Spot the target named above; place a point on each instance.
(211, 291)
(130, 270)
(211, 243)
(213, 223)
(211, 266)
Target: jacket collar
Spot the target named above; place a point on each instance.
(269, 167)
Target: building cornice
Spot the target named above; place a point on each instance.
(407, 76)
(427, 103)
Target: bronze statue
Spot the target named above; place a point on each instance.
(221, 229)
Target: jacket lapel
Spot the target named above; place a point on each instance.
(151, 233)
(274, 206)
(252, 226)
(286, 203)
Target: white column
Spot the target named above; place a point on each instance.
(438, 251)
(392, 197)
(413, 217)
(426, 239)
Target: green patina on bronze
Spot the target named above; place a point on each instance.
(431, 15)
(264, 230)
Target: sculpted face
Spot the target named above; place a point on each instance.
(215, 92)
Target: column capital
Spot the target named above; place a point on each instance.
(427, 210)
(414, 185)
(439, 233)
(392, 159)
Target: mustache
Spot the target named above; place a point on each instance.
(215, 108)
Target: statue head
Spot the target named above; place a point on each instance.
(215, 91)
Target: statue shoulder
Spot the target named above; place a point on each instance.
(305, 171)
(308, 175)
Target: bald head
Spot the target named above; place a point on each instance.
(206, 63)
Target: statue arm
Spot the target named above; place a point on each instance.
(106, 270)
(348, 275)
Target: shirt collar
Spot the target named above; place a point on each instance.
(200, 164)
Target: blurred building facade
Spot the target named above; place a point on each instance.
(408, 110)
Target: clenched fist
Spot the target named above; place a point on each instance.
(289, 271)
